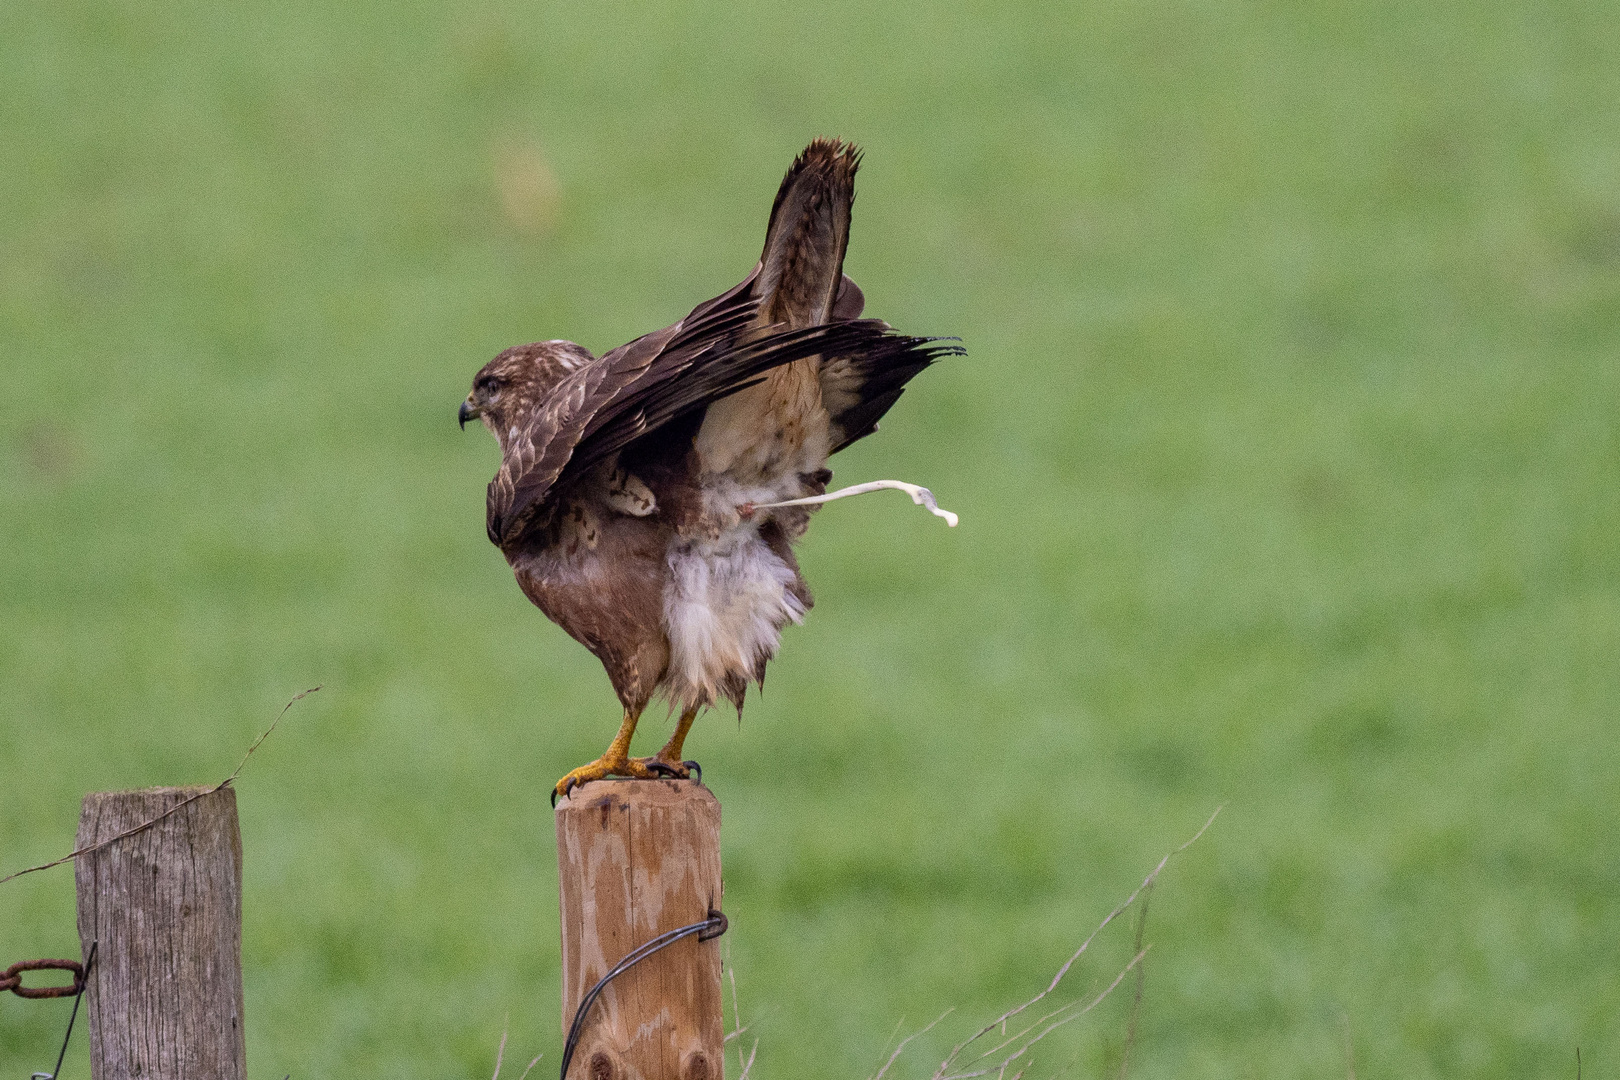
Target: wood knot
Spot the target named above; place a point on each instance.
(696, 1066)
(601, 1067)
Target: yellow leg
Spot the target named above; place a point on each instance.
(668, 760)
(615, 761)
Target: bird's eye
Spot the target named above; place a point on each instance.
(487, 384)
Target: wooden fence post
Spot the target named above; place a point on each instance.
(164, 998)
(635, 859)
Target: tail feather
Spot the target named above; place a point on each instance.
(801, 269)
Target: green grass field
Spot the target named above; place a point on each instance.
(1288, 458)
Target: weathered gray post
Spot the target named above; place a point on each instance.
(164, 997)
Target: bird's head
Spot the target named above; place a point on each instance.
(507, 390)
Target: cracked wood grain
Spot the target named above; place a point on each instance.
(164, 999)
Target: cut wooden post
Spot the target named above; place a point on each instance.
(635, 859)
(164, 998)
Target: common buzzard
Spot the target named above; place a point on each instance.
(631, 497)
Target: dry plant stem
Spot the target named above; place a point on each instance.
(899, 1049)
(500, 1052)
(898, 1025)
(736, 1015)
(944, 1070)
(143, 826)
(1000, 1068)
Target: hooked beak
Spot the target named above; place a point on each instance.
(467, 411)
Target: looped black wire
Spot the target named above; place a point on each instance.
(78, 997)
(707, 930)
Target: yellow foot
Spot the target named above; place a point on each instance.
(602, 767)
(675, 768)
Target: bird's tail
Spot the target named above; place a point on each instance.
(801, 269)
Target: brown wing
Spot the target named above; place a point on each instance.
(638, 388)
(609, 403)
(800, 282)
(856, 390)
(800, 273)
(582, 402)
(719, 372)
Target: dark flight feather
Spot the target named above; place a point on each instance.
(612, 401)
(801, 269)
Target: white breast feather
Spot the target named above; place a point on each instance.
(724, 607)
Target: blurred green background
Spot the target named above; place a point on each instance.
(1286, 455)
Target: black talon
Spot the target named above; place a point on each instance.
(663, 768)
(692, 766)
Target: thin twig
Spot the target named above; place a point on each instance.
(181, 805)
(1003, 1044)
(749, 1064)
(500, 1051)
(1001, 1021)
(898, 1025)
(1001, 1069)
(736, 1015)
(907, 1039)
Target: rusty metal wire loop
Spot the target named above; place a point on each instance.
(12, 978)
(707, 930)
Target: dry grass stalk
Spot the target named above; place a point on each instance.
(901, 1048)
(500, 1054)
(1013, 1047)
(736, 1015)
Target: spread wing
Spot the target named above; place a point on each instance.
(609, 403)
(800, 282)
(537, 453)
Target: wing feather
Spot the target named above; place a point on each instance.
(607, 404)
(801, 268)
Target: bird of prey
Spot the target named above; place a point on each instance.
(631, 497)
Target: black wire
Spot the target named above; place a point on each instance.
(84, 983)
(707, 930)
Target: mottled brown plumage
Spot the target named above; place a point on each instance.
(624, 501)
